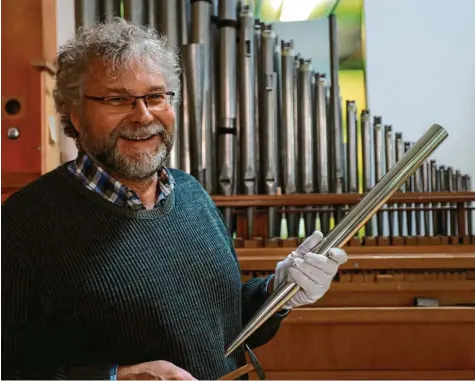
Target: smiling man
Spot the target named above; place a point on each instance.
(114, 266)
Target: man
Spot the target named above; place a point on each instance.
(114, 266)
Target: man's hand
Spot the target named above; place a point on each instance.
(312, 272)
(153, 370)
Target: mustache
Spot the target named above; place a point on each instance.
(143, 132)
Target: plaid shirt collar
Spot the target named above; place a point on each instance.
(97, 180)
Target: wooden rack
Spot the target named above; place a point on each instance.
(457, 203)
(400, 308)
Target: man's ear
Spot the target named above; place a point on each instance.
(75, 120)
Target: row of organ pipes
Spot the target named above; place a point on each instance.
(254, 117)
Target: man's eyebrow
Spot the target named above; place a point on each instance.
(123, 90)
(118, 90)
(159, 88)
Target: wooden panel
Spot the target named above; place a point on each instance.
(372, 343)
(370, 375)
(28, 35)
(241, 201)
(266, 259)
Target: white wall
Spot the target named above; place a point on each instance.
(421, 70)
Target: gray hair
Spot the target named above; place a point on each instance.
(118, 42)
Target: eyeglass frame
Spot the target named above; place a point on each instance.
(171, 94)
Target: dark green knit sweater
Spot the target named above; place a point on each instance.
(87, 284)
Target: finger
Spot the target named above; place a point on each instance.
(182, 375)
(338, 255)
(310, 243)
(186, 376)
(316, 274)
(328, 265)
(312, 289)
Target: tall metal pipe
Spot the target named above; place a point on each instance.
(410, 187)
(201, 33)
(268, 130)
(289, 152)
(184, 127)
(109, 9)
(449, 174)
(335, 134)
(389, 156)
(306, 137)
(351, 223)
(434, 188)
(257, 99)
(227, 110)
(367, 146)
(468, 188)
(135, 11)
(246, 110)
(194, 58)
(444, 215)
(351, 143)
(321, 131)
(165, 17)
(87, 13)
(378, 166)
(426, 184)
(399, 153)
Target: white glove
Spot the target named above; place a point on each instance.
(312, 272)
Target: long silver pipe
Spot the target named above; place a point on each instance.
(351, 223)
(109, 9)
(257, 100)
(194, 58)
(389, 156)
(367, 144)
(227, 111)
(165, 17)
(306, 137)
(246, 109)
(378, 167)
(135, 11)
(351, 143)
(434, 188)
(201, 33)
(184, 127)
(269, 132)
(321, 134)
(289, 151)
(410, 187)
(335, 131)
(444, 215)
(427, 188)
(399, 152)
(87, 13)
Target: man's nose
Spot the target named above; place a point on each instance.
(141, 113)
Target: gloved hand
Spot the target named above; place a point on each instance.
(312, 272)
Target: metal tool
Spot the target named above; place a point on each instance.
(253, 366)
(354, 220)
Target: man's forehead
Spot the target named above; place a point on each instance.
(129, 79)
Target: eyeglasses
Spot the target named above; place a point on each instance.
(122, 104)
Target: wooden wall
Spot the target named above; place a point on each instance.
(28, 52)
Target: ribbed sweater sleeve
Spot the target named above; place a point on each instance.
(19, 298)
(254, 294)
